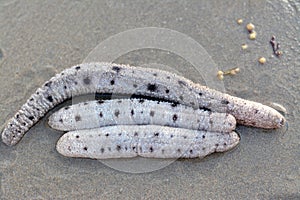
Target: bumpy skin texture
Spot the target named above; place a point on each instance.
(112, 78)
(94, 114)
(152, 141)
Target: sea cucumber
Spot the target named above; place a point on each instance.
(112, 78)
(125, 141)
(94, 114)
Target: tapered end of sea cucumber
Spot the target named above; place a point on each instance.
(11, 135)
(232, 140)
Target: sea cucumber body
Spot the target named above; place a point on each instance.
(112, 78)
(94, 114)
(124, 141)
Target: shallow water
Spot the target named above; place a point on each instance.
(39, 39)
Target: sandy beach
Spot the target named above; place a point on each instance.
(192, 38)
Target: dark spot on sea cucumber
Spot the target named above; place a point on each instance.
(31, 118)
(175, 117)
(182, 83)
(204, 108)
(217, 145)
(168, 77)
(256, 111)
(203, 148)
(85, 148)
(174, 104)
(77, 68)
(101, 114)
(141, 101)
(167, 91)
(155, 74)
(191, 151)
(135, 85)
(171, 135)
(85, 103)
(225, 102)
(17, 116)
(50, 98)
(77, 118)
(184, 137)
(62, 74)
(87, 80)
(181, 98)
(151, 113)
(77, 136)
(162, 151)
(107, 134)
(119, 101)
(117, 113)
(109, 149)
(31, 99)
(100, 101)
(75, 82)
(136, 134)
(65, 87)
(118, 147)
(203, 136)
(116, 69)
(66, 108)
(178, 150)
(112, 82)
(225, 144)
(200, 93)
(151, 149)
(120, 134)
(126, 148)
(133, 148)
(152, 87)
(156, 134)
(102, 150)
(132, 112)
(47, 84)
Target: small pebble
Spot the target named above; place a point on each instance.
(262, 60)
(250, 27)
(278, 107)
(220, 77)
(244, 46)
(239, 21)
(252, 35)
(234, 71)
(220, 73)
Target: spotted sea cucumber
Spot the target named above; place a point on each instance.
(93, 114)
(112, 78)
(125, 141)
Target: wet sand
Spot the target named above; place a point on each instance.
(39, 39)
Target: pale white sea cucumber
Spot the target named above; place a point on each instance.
(112, 78)
(125, 141)
(94, 114)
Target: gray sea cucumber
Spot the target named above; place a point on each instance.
(94, 114)
(112, 78)
(125, 141)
